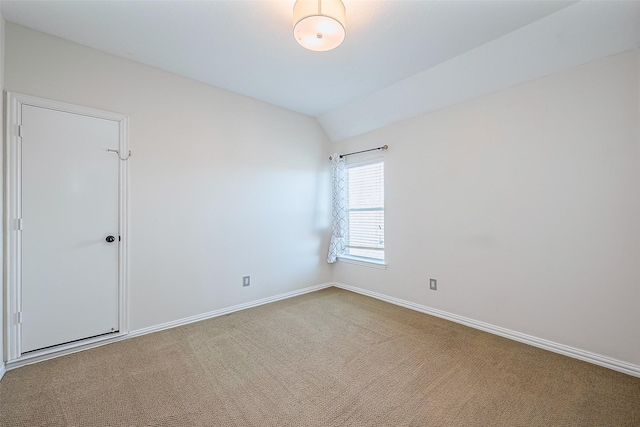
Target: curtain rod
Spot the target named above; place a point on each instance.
(384, 147)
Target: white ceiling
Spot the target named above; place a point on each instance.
(248, 46)
(578, 34)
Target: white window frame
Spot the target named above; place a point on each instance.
(359, 260)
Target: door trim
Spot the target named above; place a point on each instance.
(13, 236)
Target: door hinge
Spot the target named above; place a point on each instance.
(19, 318)
(20, 131)
(19, 224)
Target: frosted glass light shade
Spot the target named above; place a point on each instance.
(319, 24)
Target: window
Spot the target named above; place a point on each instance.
(365, 211)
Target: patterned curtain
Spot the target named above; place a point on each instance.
(338, 184)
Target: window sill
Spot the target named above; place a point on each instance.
(364, 262)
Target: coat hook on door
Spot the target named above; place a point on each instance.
(111, 150)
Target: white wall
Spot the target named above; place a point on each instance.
(221, 185)
(525, 205)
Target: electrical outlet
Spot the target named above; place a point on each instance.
(433, 284)
(246, 280)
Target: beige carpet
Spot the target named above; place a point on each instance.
(330, 358)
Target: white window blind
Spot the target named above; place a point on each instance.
(365, 210)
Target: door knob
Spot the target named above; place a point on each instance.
(110, 239)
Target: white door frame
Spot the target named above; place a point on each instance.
(13, 234)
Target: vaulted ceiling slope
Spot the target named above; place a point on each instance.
(400, 58)
(581, 33)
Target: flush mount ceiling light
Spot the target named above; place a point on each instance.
(319, 24)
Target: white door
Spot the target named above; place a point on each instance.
(69, 208)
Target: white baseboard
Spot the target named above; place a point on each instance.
(222, 311)
(13, 364)
(597, 359)
(65, 349)
(583, 355)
